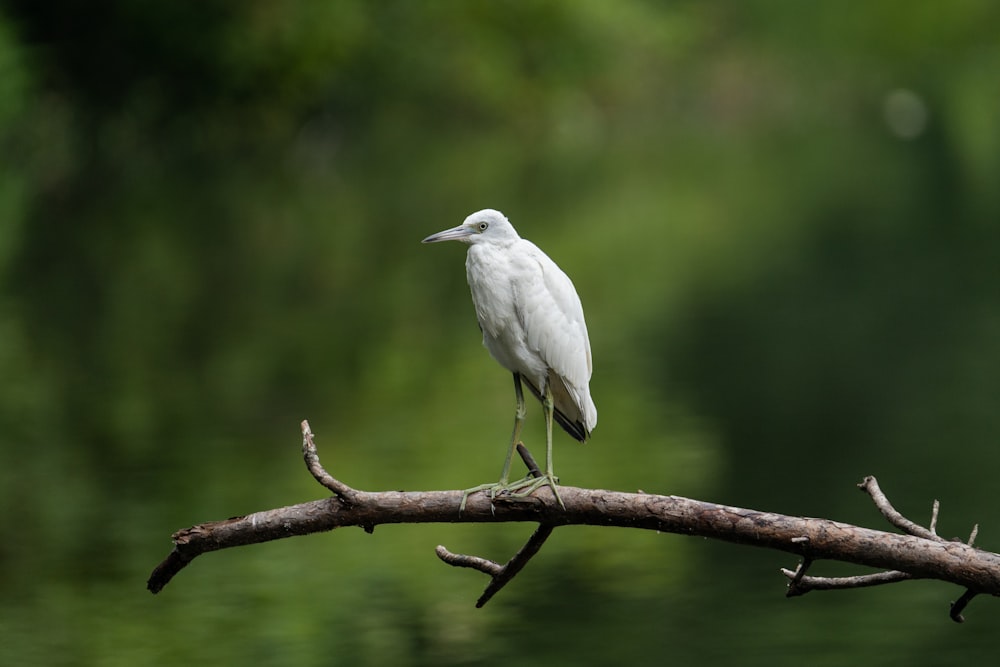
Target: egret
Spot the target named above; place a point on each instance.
(532, 323)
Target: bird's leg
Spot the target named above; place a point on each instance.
(519, 414)
(548, 406)
(529, 487)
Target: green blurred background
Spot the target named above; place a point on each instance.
(782, 218)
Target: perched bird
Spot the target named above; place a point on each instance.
(532, 323)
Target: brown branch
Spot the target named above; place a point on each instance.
(918, 555)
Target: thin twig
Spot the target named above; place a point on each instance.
(341, 490)
(934, 516)
(870, 486)
(973, 534)
(800, 585)
(529, 460)
(490, 567)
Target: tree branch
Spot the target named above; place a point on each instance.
(921, 554)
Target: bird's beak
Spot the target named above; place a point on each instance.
(454, 234)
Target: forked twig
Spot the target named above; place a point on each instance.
(500, 574)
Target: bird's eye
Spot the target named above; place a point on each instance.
(483, 226)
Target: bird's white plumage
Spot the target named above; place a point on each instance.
(530, 314)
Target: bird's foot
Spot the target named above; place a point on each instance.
(495, 489)
(529, 485)
(514, 490)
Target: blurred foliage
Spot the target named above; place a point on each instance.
(781, 217)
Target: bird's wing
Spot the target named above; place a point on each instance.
(552, 316)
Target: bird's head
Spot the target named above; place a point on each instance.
(486, 226)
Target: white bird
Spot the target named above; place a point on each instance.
(532, 323)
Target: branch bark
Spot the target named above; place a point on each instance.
(921, 555)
